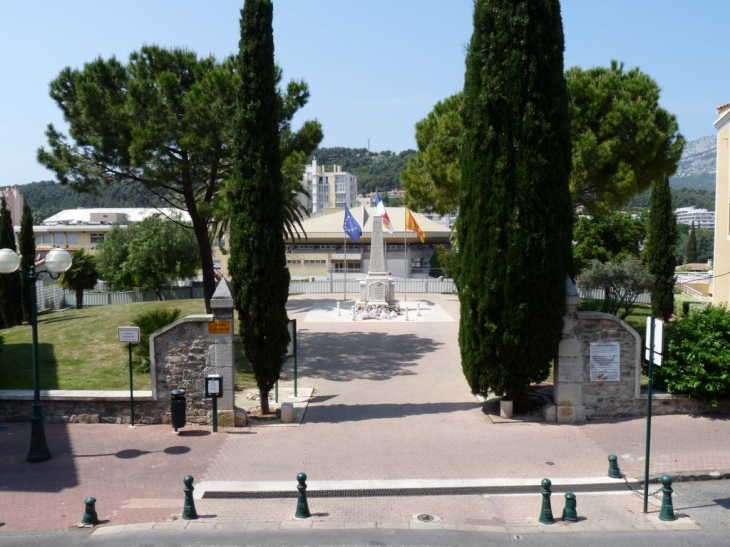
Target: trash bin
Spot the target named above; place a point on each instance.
(177, 408)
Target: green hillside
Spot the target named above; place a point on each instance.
(46, 198)
(374, 170)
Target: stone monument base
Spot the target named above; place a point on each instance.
(377, 289)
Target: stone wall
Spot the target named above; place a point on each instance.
(181, 355)
(610, 398)
(577, 396)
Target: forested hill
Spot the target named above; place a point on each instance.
(379, 170)
(46, 198)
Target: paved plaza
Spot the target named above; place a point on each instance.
(389, 408)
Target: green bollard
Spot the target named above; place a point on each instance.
(667, 512)
(90, 518)
(546, 513)
(613, 471)
(302, 506)
(189, 512)
(569, 512)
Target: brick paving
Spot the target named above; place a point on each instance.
(390, 402)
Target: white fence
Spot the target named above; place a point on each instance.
(103, 298)
(599, 294)
(352, 286)
(54, 297)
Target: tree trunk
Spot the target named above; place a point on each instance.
(79, 299)
(264, 397)
(158, 293)
(200, 227)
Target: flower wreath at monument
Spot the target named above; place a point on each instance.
(364, 312)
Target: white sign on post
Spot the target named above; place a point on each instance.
(658, 340)
(128, 335)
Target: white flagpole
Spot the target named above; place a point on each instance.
(345, 287)
(405, 246)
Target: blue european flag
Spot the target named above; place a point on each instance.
(351, 227)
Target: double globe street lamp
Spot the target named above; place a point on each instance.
(57, 262)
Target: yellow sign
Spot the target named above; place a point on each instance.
(219, 327)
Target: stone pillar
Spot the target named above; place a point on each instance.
(568, 374)
(221, 305)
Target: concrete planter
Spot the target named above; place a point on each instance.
(505, 408)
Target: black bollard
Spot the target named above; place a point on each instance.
(667, 512)
(189, 512)
(302, 506)
(90, 518)
(569, 512)
(613, 471)
(546, 513)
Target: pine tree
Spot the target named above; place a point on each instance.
(690, 248)
(515, 215)
(661, 254)
(257, 265)
(11, 302)
(26, 242)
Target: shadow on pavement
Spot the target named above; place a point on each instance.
(351, 356)
(352, 413)
(54, 475)
(131, 453)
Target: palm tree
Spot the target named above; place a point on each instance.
(81, 275)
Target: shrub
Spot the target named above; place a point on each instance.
(150, 322)
(2, 343)
(623, 282)
(698, 356)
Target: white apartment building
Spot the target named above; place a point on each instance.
(328, 189)
(14, 202)
(702, 218)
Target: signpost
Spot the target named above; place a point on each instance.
(214, 390)
(129, 335)
(654, 341)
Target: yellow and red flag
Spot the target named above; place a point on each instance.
(412, 225)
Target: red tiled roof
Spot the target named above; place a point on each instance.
(722, 108)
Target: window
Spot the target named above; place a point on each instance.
(59, 239)
(72, 238)
(97, 238)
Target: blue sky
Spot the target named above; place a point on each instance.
(374, 67)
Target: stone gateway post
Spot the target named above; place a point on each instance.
(185, 352)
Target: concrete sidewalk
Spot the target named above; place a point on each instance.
(389, 404)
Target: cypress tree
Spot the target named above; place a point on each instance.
(515, 213)
(661, 253)
(11, 304)
(690, 247)
(26, 243)
(257, 264)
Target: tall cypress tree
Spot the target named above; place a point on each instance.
(690, 247)
(515, 214)
(257, 263)
(661, 253)
(11, 304)
(26, 243)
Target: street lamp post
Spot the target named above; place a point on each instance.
(57, 261)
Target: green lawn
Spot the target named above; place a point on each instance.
(78, 349)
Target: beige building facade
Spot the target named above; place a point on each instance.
(328, 253)
(721, 262)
